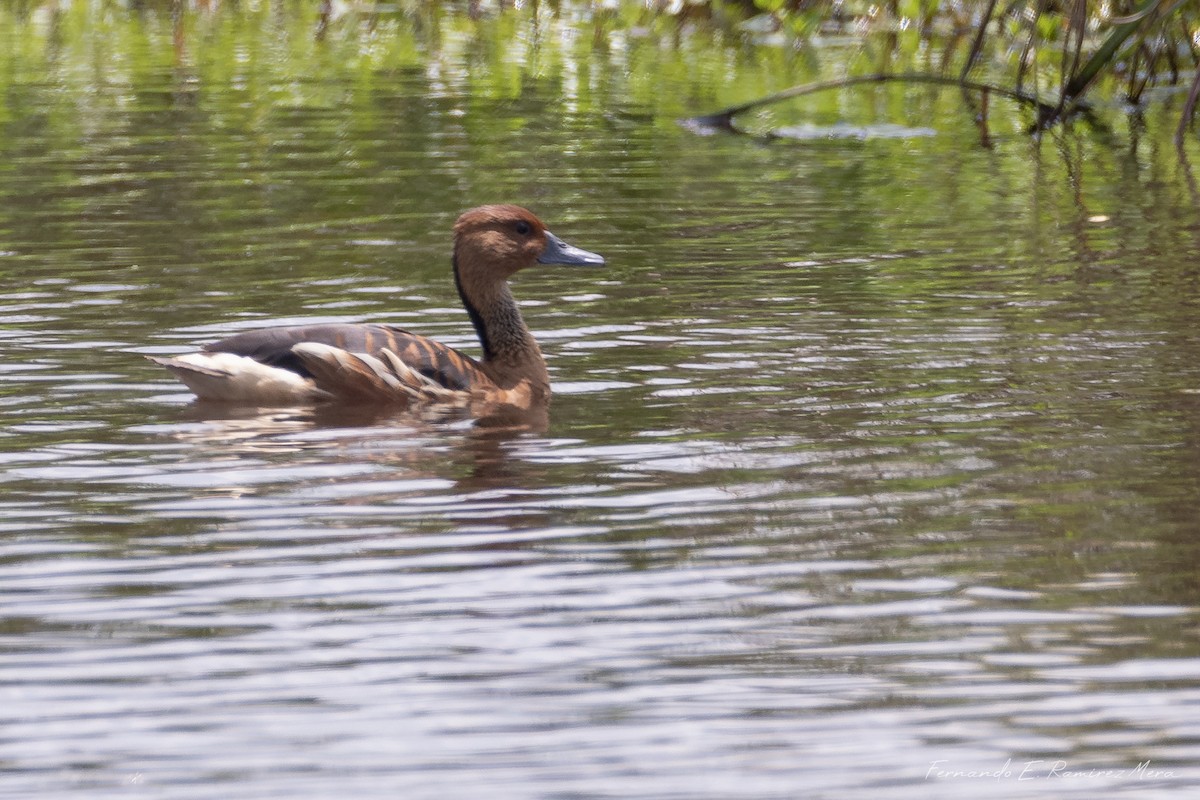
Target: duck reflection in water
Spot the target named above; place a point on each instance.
(418, 442)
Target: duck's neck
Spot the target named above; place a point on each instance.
(510, 353)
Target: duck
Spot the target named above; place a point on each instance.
(381, 363)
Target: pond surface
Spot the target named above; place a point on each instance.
(872, 464)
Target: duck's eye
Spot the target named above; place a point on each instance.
(523, 227)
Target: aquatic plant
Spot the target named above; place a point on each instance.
(1048, 54)
(1057, 58)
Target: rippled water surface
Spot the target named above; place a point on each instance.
(872, 464)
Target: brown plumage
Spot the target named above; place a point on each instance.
(383, 363)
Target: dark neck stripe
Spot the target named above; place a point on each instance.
(472, 312)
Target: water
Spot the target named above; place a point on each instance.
(871, 469)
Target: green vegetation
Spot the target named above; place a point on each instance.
(1056, 58)
(1047, 54)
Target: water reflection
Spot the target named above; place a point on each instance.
(480, 444)
(854, 464)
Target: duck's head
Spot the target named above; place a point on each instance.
(504, 239)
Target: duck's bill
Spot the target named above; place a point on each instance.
(559, 252)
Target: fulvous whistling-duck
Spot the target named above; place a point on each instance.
(382, 363)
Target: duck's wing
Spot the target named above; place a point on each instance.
(436, 363)
(363, 378)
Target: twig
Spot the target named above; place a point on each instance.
(723, 120)
(1023, 64)
(1189, 109)
(985, 138)
(1077, 24)
(977, 43)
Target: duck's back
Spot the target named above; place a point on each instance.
(273, 347)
